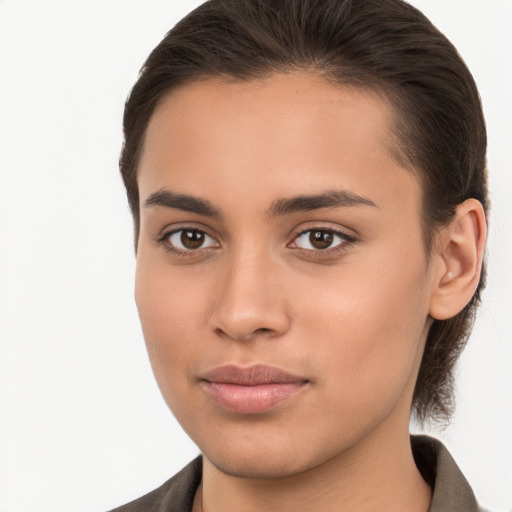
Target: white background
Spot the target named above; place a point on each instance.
(83, 426)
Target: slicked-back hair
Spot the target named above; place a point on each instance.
(382, 45)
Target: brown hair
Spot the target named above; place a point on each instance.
(385, 45)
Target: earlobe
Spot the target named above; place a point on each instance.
(460, 250)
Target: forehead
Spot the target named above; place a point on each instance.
(290, 102)
(298, 131)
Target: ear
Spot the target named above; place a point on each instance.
(459, 254)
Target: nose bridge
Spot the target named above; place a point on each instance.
(250, 300)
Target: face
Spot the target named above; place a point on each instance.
(282, 281)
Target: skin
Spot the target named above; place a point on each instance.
(351, 319)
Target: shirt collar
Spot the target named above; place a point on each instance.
(451, 491)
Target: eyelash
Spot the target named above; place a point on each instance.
(347, 240)
(164, 241)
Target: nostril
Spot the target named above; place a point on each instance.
(243, 318)
(262, 330)
(245, 336)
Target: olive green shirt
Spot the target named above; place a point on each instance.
(452, 492)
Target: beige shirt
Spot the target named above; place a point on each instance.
(452, 492)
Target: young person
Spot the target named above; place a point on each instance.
(308, 186)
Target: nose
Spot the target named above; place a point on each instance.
(251, 302)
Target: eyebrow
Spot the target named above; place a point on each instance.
(283, 206)
(328, 199)
(185, 202)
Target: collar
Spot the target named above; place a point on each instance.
(451, 491)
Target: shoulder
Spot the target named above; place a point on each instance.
(175, 495)
(451, 490)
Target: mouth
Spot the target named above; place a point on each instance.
(251, 390)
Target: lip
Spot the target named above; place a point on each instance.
(251, 390)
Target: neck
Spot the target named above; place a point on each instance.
(377, 473)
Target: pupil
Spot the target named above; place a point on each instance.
(321, 239)
(192, 239)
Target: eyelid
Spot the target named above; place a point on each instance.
(163, 239)
(347, 238)
(337, 231)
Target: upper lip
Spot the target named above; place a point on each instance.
(250, 376)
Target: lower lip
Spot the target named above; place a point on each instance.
(252, 399)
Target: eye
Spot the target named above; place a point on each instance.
(188, 240)
(321, 239)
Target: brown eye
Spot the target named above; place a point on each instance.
(321, 239)
(189, 240)
(192, 239)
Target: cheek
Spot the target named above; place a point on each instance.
(369, 326)
(172, 314)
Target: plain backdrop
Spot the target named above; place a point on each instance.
(83, 426)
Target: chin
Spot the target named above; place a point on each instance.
(266, 457)
(258, 466)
